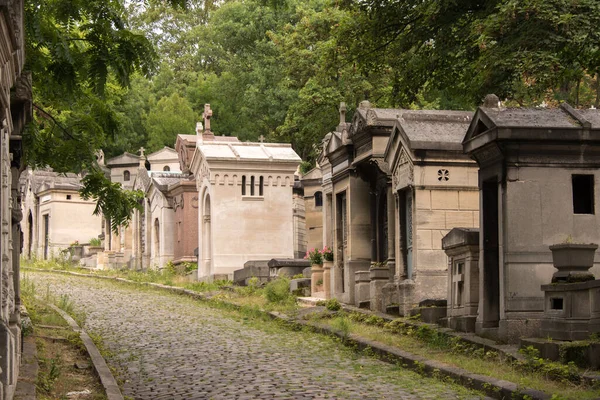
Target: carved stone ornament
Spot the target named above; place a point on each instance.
(371, 117)
(381, 164)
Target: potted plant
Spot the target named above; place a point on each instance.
(573, 261)
(95, 246)
(315, 257)
(379, 270)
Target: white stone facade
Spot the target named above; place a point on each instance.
(245, 204)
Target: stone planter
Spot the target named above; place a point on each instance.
(573, 261)
(379, 273)
(327, 265)
(94, 250)
(76, 252)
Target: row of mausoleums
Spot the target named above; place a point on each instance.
(395, 182)
(388, 188)
(212, 200)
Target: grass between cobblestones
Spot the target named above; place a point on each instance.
(368, 372)
(458, 355)
(64, 365)
(252, 300)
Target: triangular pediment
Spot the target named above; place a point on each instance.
(166, 153)
(124, 159)
(481, 123)
(335, 142)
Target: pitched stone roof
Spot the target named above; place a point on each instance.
(434, 129)
(125, 159)
(162, 180)
(42, 180)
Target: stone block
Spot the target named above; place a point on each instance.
(462, 219)
(444, 200)
(300, 287)
(287, 266)
(468, 200)
(255, 268)
(431, 219)
(432, 259)
(423, 199)
(424, 239)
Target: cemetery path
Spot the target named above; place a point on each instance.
(166, 346)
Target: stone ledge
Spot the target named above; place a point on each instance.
(106, 377)
(26, 389)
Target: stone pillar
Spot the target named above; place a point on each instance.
(391, 245)
(316, 275)
(462, 248)
(327, 265)
(379, 277)
(363, 290)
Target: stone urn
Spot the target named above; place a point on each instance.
(573, 261)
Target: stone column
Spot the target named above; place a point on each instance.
(327, 265)
(391, 234)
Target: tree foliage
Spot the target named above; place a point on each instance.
(77, 50)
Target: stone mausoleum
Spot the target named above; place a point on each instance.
(538, 174)
(245, 202)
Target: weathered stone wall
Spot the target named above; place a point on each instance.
(15, 112)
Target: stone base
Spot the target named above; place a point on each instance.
(300, 287)
(568, 329)
(375, 295)
(399, 294)
(257, 268)
(430, 315)
(462, 323)
(512, 330)
(583, 354)
(287, 266)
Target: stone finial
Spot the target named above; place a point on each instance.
(342, 113)
(261, 139)
(491, 101)
(365, 104)
(199, 128)
(206, 116)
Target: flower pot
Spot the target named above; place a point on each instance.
(327, 265)
(573, 261)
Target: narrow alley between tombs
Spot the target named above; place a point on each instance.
(165, 346)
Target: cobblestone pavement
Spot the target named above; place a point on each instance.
(166, 346)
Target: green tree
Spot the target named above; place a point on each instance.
(171, 116)
(524, 51)
(77, 51)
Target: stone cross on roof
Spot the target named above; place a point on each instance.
(206, 116)
(142, 159)
(342, 113)
(261, 138)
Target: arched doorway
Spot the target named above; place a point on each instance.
(206, 238)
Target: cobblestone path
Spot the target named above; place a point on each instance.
(166, 346)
